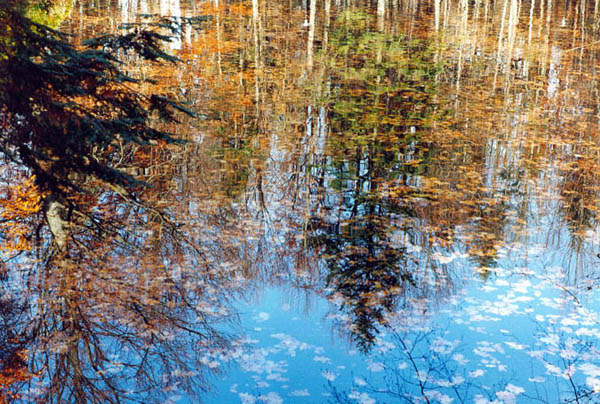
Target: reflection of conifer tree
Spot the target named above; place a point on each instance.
(377, 111)
(486, 234)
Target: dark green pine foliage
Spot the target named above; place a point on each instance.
(67, 113)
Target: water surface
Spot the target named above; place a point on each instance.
(394, 201)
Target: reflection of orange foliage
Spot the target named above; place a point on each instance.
(17, 205)
(209, 8)
(12, 370)
(240, 9)
(210, 43)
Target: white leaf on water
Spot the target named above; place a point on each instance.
(501, 282)
(550, 339)
(362, 398)
(460, 359)
(262, 316)
(375, 366)
(514, 389)
(443, 259)
(439, 397)
(568, 321)
(589, 369)
(328, 375)
(507, 397)
(271, 398)
(479, 399)
(554, 371)
(300, 393)
(476, 373)
(277, 377)
(516, 346)
(594, 383)
(247, 398)
(443, 346)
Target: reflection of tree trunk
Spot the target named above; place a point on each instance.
(583, 7)
(436, 11)
(311, 33)
(218, 27)
(541, 17)
(56, 219)
(380, 15)
(530, 21)
(262, 206)
(257, 51)
(73, 360)
(500, 40)
(327, 17)
(326, 26)
(502, 26)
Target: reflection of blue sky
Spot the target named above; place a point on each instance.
(514, 338)
(290, 354)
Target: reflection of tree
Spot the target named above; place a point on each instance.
(365, 270)
(579, 210)
(116, 302)
(14, 371)
(413, 374)
(49, 13)
(486, 235)
(420, 363)
(378, 110)
(112, 327)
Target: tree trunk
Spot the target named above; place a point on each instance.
(55, 217)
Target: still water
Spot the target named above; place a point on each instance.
(395, 201)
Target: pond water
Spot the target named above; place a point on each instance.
(395, 201)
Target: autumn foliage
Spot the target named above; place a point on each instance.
(13, 370)
(19, 203)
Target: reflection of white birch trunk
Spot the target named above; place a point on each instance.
(172, 8)
(513, 20)
(380, 15)
(380, 28)
(55, 217)
(327, 24)
(311, 33)
(502, 27)
(445, 12)
(436, 12)
(218, 27)
(464, 18)
(462, 33)
(532, 7)
(583, 7)
(255, 18)
(547, 36)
